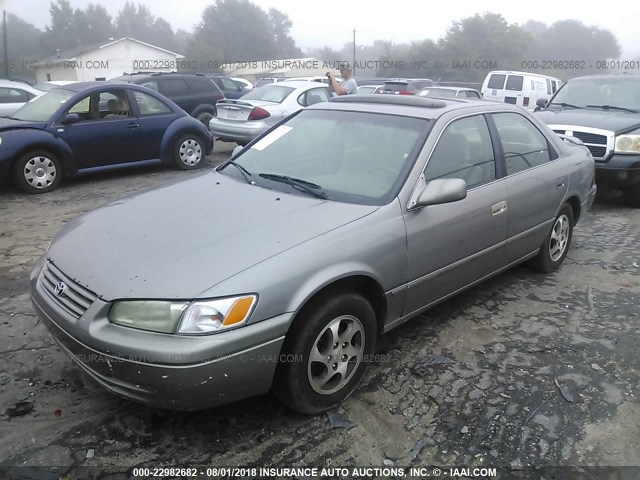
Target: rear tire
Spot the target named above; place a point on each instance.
(327, 351)
(205, 118)
(37, 171)
(555, 248)
(631, 196)
(188, 152)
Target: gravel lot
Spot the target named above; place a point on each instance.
(498, 404)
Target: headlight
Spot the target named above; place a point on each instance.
(153, 315)
(200, 317)
(213, 316)
(627, 144)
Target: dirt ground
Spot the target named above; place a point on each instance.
(498, 405)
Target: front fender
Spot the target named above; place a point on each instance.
(179, 127)
(17, 142)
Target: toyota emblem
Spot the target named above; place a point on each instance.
(60, 289)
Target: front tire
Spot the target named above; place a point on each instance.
(326, 352)
(631, 196)
(38, 171)
(556, 246)
(188, 152)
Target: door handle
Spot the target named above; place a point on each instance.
(560, 185)
(498, 208)
(133, 125)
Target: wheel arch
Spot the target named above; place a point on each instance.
(574, 202)
(62, 152)
(181, 126)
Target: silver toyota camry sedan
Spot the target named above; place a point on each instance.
(340, 223)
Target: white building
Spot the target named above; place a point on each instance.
(106, 60)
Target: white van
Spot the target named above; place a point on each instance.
(518, 88)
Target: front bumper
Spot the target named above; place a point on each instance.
(167, 371)
(243, 132)
(620, 171)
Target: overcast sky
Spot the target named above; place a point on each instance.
(320, 23)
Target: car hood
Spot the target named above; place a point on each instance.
(178, 240)
(11, 124)
(612, 120)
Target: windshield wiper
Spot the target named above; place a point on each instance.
(245, 173)
(566, 105)
(297, 183)
(613, 107)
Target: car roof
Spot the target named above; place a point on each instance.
(611, 76)
(298, 84)
(22, 85)
(515, 72)
(410, 106)
(96, 85)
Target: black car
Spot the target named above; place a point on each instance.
(196, 94)
(603, 111)
(410, 86)
(230, 88)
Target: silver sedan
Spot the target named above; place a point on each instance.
(343, 222)
(242, 120)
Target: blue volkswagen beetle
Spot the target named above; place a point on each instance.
(94, 126)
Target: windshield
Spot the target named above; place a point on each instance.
(43, 106)
(350, 156)
(395, 87)
(269, 93)
(438, 92)
(366, 89)
(620, 92)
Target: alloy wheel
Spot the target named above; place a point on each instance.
(559, 238)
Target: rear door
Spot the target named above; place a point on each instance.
(536, 181)
(513, 90)
(494, 90)
(177, 90)
(452, 245)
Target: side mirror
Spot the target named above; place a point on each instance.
(236, 151)
(440, 191)
(70, 118)
(541, 103)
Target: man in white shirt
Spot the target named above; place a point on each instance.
(348, 86)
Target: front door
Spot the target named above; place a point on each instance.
(455, 244)
(105, 133)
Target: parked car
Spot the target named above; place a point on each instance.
(450, 92)
(603, 111)
(14, 95)
(196, 94)
(406, 86)
(243, 83)
(267, 80)
(369, 89)
(229, 87)
(340, 224)
(244, 119)
(95, 126)
(518, 88)
(46, 86)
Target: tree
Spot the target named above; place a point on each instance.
(237, 30)
(23, 46)
(139, 23)
(487, 42)
(92, 25)
(280, 27)
(60, 34)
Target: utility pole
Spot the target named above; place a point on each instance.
(6, 50)
(354, 52)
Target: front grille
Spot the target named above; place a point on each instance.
(597, 144)
(75, 299)
(591, 138)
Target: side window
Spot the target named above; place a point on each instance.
(496, 81)
(228, 84)
(113, 105)
(549, 87)
(554, 86)
(152, 84)
(317, 95)
(514, 83)
(82, 107)
(149, 105)
(523, 144)
(464, 151)
(173, 87)
(13, 95)
(474, 95)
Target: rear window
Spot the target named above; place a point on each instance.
(395, 86)
(438, 92)
(496, 81)
(515, 82)
(269, 93)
